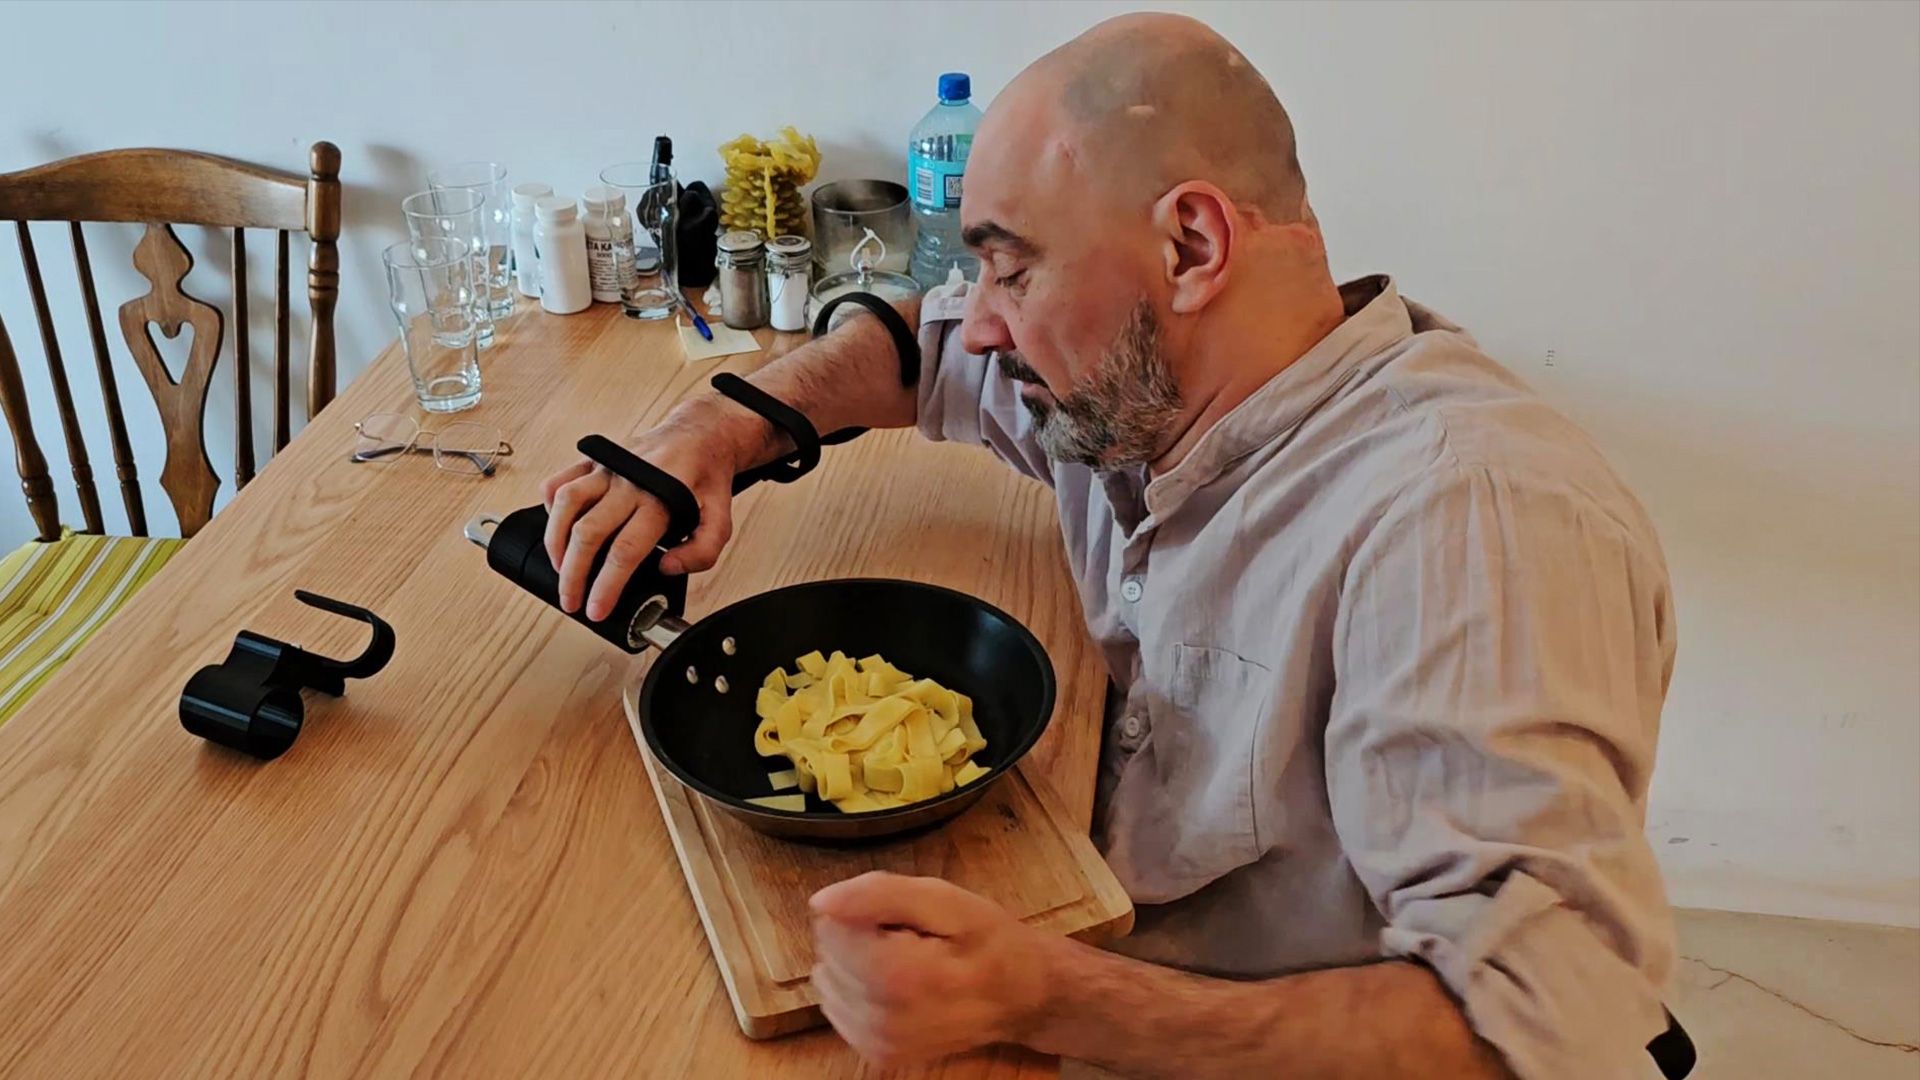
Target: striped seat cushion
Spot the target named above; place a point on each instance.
(53, 596)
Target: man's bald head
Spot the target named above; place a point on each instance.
(1144, 237)
(1148, 101)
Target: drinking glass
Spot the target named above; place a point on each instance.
(430, 289)
(655, 206)
(489, 179)
(456, 214)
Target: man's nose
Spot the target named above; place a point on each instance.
(981, 331)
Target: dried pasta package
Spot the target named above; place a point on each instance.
(764, 180)
(864, 735)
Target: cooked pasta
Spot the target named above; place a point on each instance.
(865, 735)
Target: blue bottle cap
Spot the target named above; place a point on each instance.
(955, 87)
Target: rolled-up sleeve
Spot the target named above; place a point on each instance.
(963, 398)
(1501, 652)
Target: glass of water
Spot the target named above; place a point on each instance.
(488, 179)
(430, 289)
(654, 204)
(457, 214)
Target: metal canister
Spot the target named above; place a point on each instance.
(743, 286)
(789, 268)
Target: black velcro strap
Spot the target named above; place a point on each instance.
(904, 341)
(1672, 1050)
(786, 419)
(683, 510)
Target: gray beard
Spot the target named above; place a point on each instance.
(1122, 412)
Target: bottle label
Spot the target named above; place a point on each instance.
(604, 270)
(936, 184)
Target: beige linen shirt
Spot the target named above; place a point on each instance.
(1388, 651)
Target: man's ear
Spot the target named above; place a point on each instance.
(1195, 224)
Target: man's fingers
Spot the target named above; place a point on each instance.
(702, 549)
(630, 547)
(877, 898)
(551, 485)
(570, 500)
(842, 1004)
(589, 535)
(834, 985)
(857, 952)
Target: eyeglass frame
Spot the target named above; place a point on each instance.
(413, 446)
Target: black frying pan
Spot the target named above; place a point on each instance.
(704, 736)
(696, 707)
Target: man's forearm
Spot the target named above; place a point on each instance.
(1386, 1019)
(850, 378)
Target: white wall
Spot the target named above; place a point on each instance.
(1709, 215)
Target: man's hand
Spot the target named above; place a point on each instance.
(850, 378)
(910, 969)
(702, 444)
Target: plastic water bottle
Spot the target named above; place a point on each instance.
(936, 159)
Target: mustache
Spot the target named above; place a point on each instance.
(1015, 368)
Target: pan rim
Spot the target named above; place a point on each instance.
(667, 658)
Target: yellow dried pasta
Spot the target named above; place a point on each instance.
(764, 179)
(865, 735)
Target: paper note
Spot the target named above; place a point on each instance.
(726, 342)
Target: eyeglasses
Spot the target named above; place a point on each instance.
(465, 447)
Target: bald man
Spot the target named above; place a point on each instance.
(1388, 639)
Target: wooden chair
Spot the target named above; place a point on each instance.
(160, 189)
(56, 591)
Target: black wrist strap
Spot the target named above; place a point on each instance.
(904, 341)
(1672, 1051)
(785, 419)
(683, 510)
(794, 424)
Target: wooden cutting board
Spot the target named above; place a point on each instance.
(1014, 846)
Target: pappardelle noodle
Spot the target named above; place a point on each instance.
(864, 735)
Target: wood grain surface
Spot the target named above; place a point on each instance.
(460, 869)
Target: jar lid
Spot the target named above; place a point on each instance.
(740, 242)
(524, 195)
(556, 208)
(604, 200)
(884, 284)
(791, 247)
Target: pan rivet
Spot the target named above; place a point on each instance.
(720, 684)
(728, 646)
(692, 675)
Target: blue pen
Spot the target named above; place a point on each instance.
(699, 324)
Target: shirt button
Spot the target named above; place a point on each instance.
(1131, 726)
(1131, 590)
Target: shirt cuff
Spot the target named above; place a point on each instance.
(951, 379)
(1535, 979)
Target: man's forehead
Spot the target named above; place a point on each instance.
(1017, 176)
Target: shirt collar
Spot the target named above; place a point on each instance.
(1376, 319)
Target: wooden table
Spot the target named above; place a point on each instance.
(460, 869)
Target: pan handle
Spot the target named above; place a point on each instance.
(655, 625)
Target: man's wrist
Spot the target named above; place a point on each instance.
(750, 440)
(1062, 966)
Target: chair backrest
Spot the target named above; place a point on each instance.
(160, 189)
